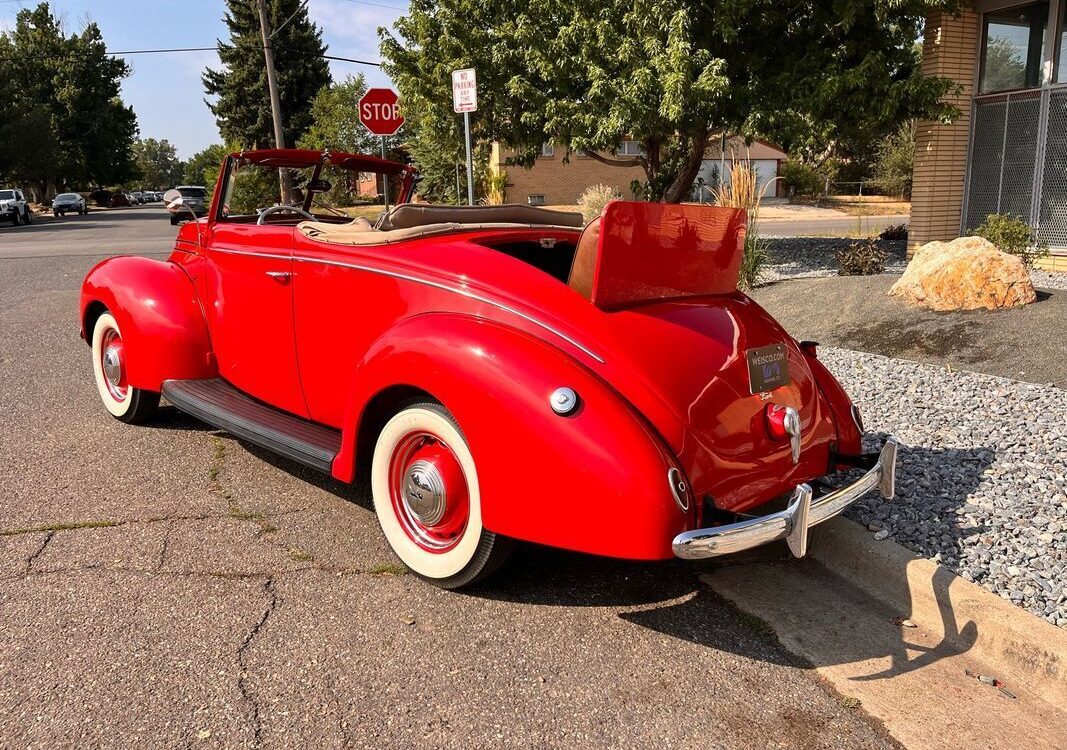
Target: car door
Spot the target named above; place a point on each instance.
(248, 300)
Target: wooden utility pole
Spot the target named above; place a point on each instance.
(275, 99)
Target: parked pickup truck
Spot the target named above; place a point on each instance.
(14, 208)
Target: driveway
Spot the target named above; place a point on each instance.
(169, 586)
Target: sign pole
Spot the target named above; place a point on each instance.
(465, 100)
(470, 163)
(385, 179)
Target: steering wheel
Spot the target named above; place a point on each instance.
(275, 209)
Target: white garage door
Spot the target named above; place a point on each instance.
(766, 170)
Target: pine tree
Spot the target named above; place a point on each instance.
(242, 106)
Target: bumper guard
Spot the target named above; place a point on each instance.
(791, 524)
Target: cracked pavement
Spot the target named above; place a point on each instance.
(169, 586)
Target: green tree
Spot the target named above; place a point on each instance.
(202, 168)
(241, 102)
(63, 123)
(335, 122)
(157, 163)
(896, 161)
(667, 73)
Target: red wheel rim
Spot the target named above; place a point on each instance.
(113, 364)
(429, 491)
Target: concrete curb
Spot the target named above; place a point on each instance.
(1023, 648)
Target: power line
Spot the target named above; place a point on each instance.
(191, 49)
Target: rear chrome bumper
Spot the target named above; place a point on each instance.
(791, 524)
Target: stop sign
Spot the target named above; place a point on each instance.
(379, 111)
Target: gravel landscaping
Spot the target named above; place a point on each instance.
(982, 474)
(809, 257)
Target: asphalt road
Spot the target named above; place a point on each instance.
(169, 586)
(119, 231)
(852, 226)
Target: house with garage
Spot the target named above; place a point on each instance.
(1007, 152)
(558, 178)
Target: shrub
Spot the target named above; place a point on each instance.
(864, 258)
(1012, 235)
(894, 232)
(495, 187)
(801, 178)
(754, 256)
(593, 199)
(896, 160)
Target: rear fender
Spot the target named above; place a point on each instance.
(159, 315)
(849, 439)
(593, 481)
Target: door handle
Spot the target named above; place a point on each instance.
(282, 277)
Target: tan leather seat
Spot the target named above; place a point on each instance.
(585, 257)
(408, 215)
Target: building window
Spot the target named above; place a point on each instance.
(537, 199)
(547, 150)
(1013, 48)
(629, 148)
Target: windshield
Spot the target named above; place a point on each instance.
(192, 192)
(6, 195)
(66, 197)
(337, 193)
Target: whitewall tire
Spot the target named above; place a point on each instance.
(426, 495)
(110, 364)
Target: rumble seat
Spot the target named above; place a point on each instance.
(584, 263)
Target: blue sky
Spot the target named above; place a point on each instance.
(165, 90)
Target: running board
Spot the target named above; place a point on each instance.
(218, 403)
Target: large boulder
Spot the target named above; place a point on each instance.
(965, 274)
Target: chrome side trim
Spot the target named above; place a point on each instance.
(425, 282)
(793, 523)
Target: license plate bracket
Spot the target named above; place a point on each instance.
(768, 368)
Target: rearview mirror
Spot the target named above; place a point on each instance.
(319, 186)
(172, 196)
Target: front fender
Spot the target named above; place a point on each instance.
(157, 310)
(594, 481)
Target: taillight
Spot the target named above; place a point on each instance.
(782, 421)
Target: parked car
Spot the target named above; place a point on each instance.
(14, 207)
(185, 202)
(120, 200)
(69, 203)
(495, 372)
(137, 197)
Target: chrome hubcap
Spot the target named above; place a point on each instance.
(112, 365)
(424, 492)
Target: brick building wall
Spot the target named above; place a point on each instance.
(561, 183)
(950, 50)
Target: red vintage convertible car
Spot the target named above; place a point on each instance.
(498, 372)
